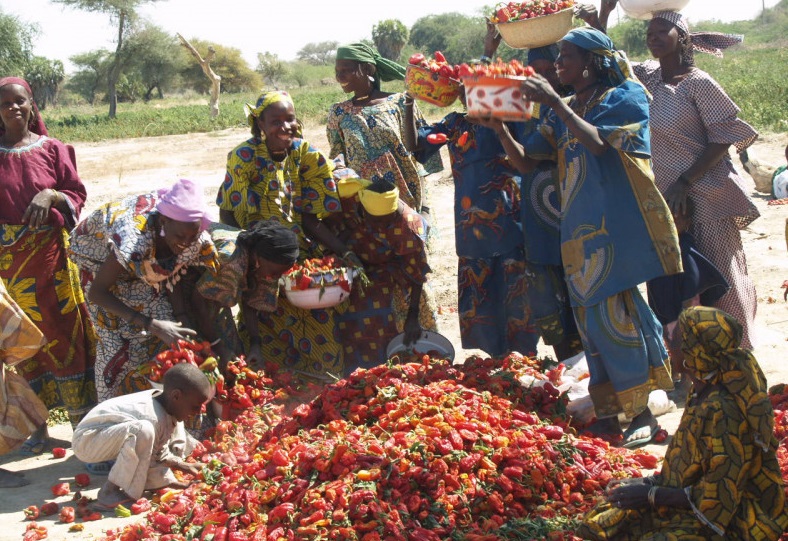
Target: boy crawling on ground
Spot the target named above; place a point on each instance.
(135, 431)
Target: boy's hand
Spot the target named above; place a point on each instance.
(188, 467)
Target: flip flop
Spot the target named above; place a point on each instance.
(99, 468)
(32, 447)
(647, 434)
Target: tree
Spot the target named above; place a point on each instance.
(124, 14)
(16, 45)
(390, 36)
(318, 54)
(433, 32)
(630, 35)
(205, 65)
(154, 56)
(91, 76)
(237, 76)
(271, 67)
(44, 77)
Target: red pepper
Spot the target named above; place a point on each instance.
(67, 514)
(58, 452)
(140, 506)
(416, 59)
(439, 57)
(34, 532)
(462, 139)
(91, 516)
(61, 489)
(436, 138)
(32, 512)
(82, 479)
(50, 508)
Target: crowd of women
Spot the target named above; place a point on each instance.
(621, 177)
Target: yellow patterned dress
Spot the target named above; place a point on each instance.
(257, 187)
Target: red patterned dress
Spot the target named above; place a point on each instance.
(40, 278)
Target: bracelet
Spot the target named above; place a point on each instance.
(348, 253)
(55, 198)
(652, 496)
(484, 59)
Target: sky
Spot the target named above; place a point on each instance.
(283, 28)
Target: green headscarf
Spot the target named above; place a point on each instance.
(386, 70)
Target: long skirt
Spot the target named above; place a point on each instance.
(45, 284)
(721, 243)
(493, 306)
(625, 353)
(548, 298)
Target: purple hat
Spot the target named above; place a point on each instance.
(183, 202)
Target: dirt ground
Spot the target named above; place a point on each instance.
(117, 168)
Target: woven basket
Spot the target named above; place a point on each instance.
(436, 89)
(537, 31)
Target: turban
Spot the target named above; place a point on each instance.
(386, 70)
(37, 125)
(703, 42)
(265, 99)
(183, 202)
(379, 204)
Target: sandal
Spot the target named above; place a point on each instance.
(102, 507)
(99, 468)
(33, 447)
(639, 436)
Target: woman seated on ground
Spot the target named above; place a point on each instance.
(132, 254)
(251, 263)
(278, 176)
(389, 238)
(720, 478)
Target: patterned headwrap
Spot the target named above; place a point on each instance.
(386, 70)
(379, 204)
(614, 62)
(710, 342)
(548, 52)
(703, 42)
(36, 124)
(265, 99)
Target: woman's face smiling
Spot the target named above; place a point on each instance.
(351, 77)
(279, 125)
(570, 65)
(662, 38)
(16, 106)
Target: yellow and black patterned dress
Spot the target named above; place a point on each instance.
(723, 454)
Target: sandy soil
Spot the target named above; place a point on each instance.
(113, 169)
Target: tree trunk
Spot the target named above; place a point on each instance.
(205, 64)
(114, 71)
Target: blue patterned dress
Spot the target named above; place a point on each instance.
(492, 300)
(616, 233)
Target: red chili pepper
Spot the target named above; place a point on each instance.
(61, 489)
(82, 479)
(32, 512)
(436, 138)
(67, 514)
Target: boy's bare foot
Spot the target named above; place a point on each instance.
(110, 496)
